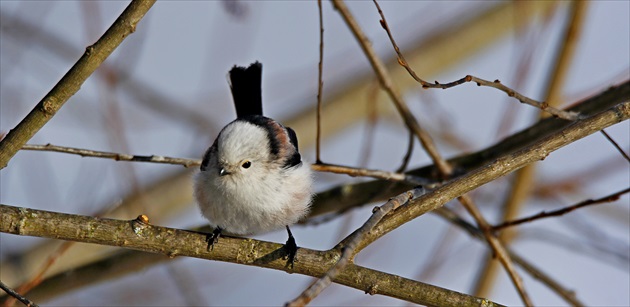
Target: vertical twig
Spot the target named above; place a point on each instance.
(320, 83)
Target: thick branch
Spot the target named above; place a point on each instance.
(348, 195)
(500, 167)
(71, 82)
(355, 194)
(138, 235)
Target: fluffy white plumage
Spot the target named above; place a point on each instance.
(245, 188)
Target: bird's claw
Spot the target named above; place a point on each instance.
(212, 238)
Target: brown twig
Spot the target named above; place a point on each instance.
(363, 172)
(323, 167)
(469, 78)
(320, 82)
(612, 141)
(349, 245)
(71, 82)
(16, 295)
(113, 155)
(497, 248)
(407, 157)
(606, 199)
(568, 295)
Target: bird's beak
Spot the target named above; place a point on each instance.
(223, 172)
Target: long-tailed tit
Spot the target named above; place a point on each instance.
(252, 178)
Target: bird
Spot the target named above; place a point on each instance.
(252, 178)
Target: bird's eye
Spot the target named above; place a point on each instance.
(246, 164)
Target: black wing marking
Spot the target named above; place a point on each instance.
(296, 158)
(293, 137)
(246, 85)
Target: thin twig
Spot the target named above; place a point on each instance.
(497, 247)
(363, 172)
(71, 82)
(606, 199)
(320, 83)
(113, 155)
(323, 167)
(568, 295)
(16, 295)
(469, 78)
(349, 246)
(407, 157)
(612, 141)
(39, 277)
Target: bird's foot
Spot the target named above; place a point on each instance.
(291, 249)
(213, 237)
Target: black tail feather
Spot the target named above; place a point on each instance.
(246, 85)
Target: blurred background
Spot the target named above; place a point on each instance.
(164, 92)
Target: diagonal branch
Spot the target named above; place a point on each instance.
(71, 82)
(349, 247)
(501, 166)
